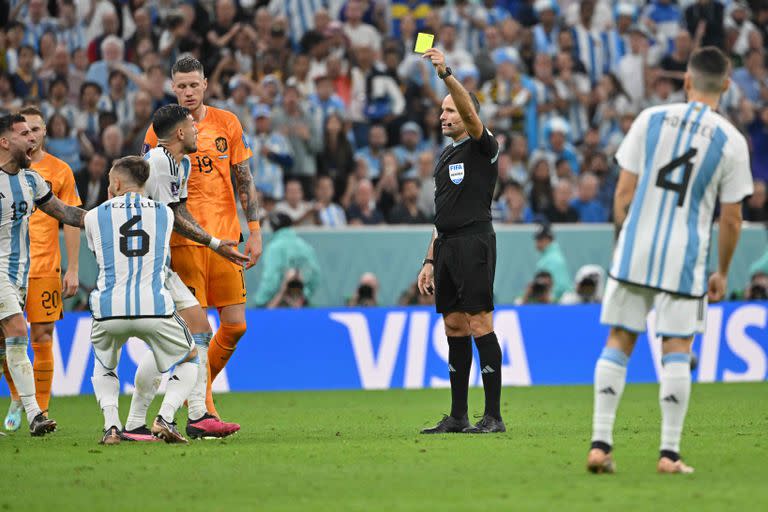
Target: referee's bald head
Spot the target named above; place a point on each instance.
(707, 72)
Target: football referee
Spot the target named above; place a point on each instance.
(461, 258)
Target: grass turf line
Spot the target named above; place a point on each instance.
(360, 450)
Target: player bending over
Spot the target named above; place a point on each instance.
(130, 237)
(677, 161)
(21, 191)
(169, 168)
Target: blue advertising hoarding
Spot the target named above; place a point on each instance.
(381, 348)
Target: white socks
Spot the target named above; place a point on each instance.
(674, 394)
(610, 377)
(179, 386)
(106, 386)
(196, 401)
(145, 383)
(21, 371)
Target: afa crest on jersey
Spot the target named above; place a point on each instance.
(221, 144)
(456, 172)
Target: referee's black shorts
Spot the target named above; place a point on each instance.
(465, 266)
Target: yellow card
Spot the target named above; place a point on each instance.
(423, 42)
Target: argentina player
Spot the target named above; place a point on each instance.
(677, 162)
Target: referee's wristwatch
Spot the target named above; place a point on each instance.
(448, 72)
(428, 260)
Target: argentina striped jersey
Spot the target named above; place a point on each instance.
(130, 236)
(20, 193)
(168, 179)
(686, 157)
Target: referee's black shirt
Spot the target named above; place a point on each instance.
(465, 177)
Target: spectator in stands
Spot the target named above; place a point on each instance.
(588, 284)
(758, 287)
(704, 21)
(294, 205)
(363, 210)
(142, 117)
(118, 100)
(336, 158)
(411, 145)
(87, 121)
(92, 184)
(552, 260)
(575, 92)
(511, 206)
(407, 211)
(272, 155)
(588, 45)
(586, 204)
(675, 63)
(599, 166)
(545, 32)
(58, 102)
(367, 291)
(557, 145)
(373, 152)
(113, 52)
(293, 121)
(327, 212)
(61, 142)
(612, 102)
(356, 30)
(111, 143)
(71, 29)
(387, 188)
(324, 101)
(633, 67)
(37, 22)
(9, 102)
(26, 84)
(756, 206)
(286, 252)
(540, 194)
(425, 163)
(752, 79)
(561, 210)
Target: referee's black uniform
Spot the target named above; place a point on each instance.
(464, 255)
(464, 252)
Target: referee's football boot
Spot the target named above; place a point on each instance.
(41, 425)
(167, 431)
(487, 425)
(448, 425)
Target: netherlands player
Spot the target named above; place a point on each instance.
(44, 291)
(677, 162)
(130, 236)
(169, 169)
(21, 191)
(221, 151)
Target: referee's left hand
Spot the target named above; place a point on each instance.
(437, 58)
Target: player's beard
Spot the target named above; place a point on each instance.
(188, 150)
(22, 158)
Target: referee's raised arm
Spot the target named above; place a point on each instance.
(461, 97)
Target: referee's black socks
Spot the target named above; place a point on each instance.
(490, 364)
(459, 364)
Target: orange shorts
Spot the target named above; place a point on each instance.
(44, 300)
(215, 281)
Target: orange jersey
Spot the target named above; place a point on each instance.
(211, 199)
(44, 250)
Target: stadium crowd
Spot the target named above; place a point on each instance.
(342, 115)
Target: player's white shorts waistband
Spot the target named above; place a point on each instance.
(627, 306)
(169, 339)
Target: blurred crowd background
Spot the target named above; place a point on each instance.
(342, 115)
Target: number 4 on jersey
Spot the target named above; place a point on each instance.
(663, 181)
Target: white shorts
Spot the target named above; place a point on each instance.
(12, 299)
(169, 339)
(627, 306)
(183, 298)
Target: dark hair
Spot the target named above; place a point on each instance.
(405, 181)
(31, 110)
(90, 84)
(134, 166)
(187, 64)
(167, 118)
(58, 80)
(7, 122)
(116, 72)
(709, 68)
(27, 47)
(53, 118)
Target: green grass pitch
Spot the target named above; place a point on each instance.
(357, 450)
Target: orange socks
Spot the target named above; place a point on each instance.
(42, 365)
(220, 350)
